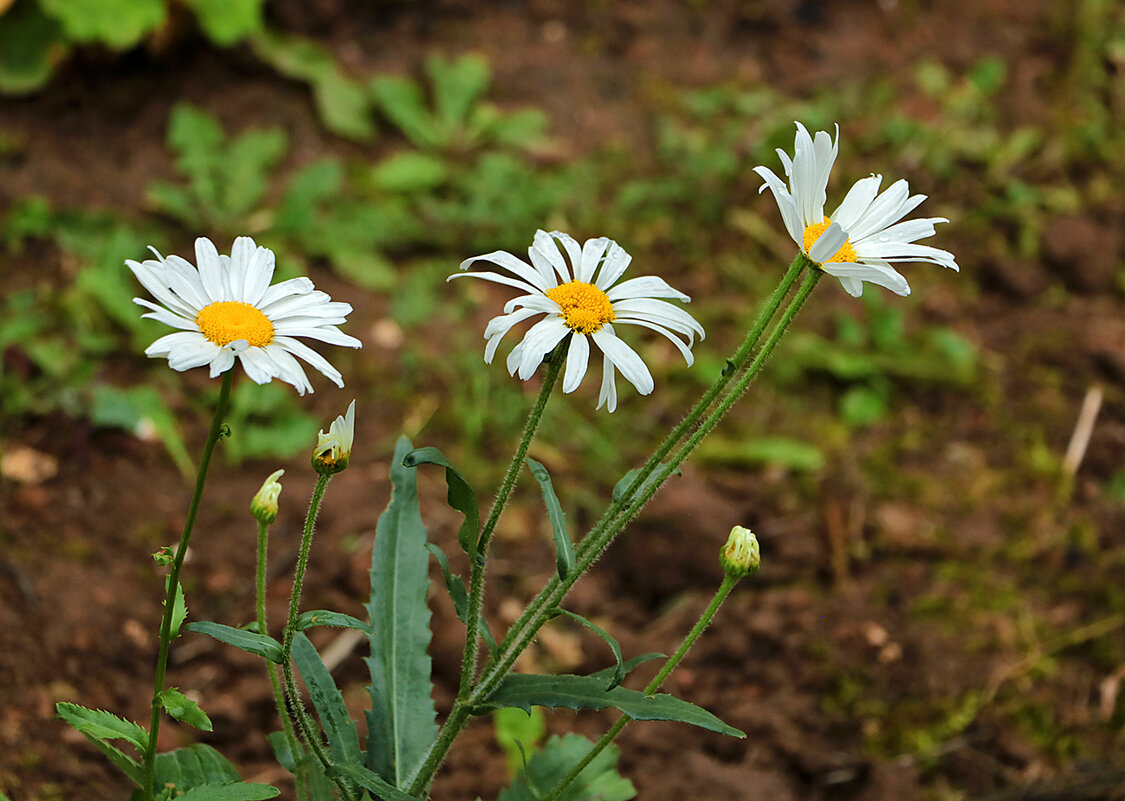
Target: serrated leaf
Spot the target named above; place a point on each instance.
(460, 596)
(524, 690)
(617, 674)
(248, 641)
(626, 481)
(598, 781)
(228, 21)
(103, 725)
(401, 722)
(370, 781)
(324, 617)
(237, 791)
(459, 495)
(564, 548)
(119, 24)
(182, 708)
(179, 607)
(31, 44)
(339, 728)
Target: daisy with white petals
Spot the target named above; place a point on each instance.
(582, 300)
(863, 237)
(225, 307)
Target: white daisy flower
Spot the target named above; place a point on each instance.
(863, 237)
(333, 450)
(586, 300)
(226, 307)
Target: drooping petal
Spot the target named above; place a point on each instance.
(884, 276)
(577, 360)
(624, 359)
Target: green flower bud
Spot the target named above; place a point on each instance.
(740, 556)
(164, 556)
(334, 449)
(264, 504)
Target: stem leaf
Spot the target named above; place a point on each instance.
(325, 617)
(401, 722)
(460, 495)
(564, 548)
(182, 708)
(237, 791)
(97, 723)
(617, 672)
(370, 781)
(455, 585)
(339, 728)
(248, 641)
(622, 486)
(524, 690)
(550, 766)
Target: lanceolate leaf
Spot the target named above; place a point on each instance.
(182, 708)
(251, 642)
(599, 780)
(370, 781)
(236, 791)
(617, 674)
(588, 692)
(103, 725)
(460, 495)
(626, 481)
(339, 728)
(401, 720)
(324, 617)
(460, 596)
(564, 548)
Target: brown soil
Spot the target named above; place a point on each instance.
(848, 563)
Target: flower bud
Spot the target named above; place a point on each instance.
(740, 557)
(334, 449)
(264, 504)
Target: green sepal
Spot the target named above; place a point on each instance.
(369, 780)
(339, 728)
(617, 674)
(248, 641)
(623, 485)
(182, 708)
(455, 585)
(546, 768)
(103, 725)
(460, 495)
(524, 690)
(325, 617)
(564, 548)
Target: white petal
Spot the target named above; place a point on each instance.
(211, 270)
(684, 350)
(577, 360)
(887, 208)
(570, 246)
(284, 289)
(905, 251)
(165, 316)
(905, 231)
(828, 243)
(242, 255)
(197, 354)
(857, 200)
(498, 278)
(662, 312)
(883, 275)
(624, 359)
(853, 286)
(151, 275)
(222, 362)
(258, 365)
(647, 286)
(592, 253)
(540, 340)
(259, 276)
(289, 369)
(329, 334)
(169, 342)
(614, 266)
(513, 265)
(303, 351)
(789, 213)
(539, 303)
(607, 395)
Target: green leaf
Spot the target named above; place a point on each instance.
(618, 670)
(320, 788)
(343, 104)
(370, 781)
(460, 597)
(103, 725)
(457, 86)
(126, 764)
(193, 766)
(524, 690)
(182, 708)
(179, 607)
(31, 45)
(248, 641)
(518, 733)
(598, 781)
(402, 102)
(863, 405)
(237, 791)
(228, 21)
(623, 485)
(247, 168)
(119, 24)
(324, 617)
(564, 548)
(629, 666)
(401, 722)
(409, 171)
(459, 495)
(135, 409)
(339, 728)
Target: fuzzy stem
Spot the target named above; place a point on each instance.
(213, 437)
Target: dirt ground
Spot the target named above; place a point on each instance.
(817, 657)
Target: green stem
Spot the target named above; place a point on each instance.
(271, 669)
(704, 621)
(174, 582)
(548, 596)
(476, 584)
(296, 705)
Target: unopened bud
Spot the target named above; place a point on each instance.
(334, 449)
(164, 556)
(740, 556)
(264, 504)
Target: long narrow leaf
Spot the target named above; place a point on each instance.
(103, 725)
(370, 781)
(236, 791)
(249, 641)
(459, 495)
(339, 728)
(618, 670)
(124, 763)
(626, 481)
(564, 548)
(455, 585)
(324, 617)
(401, 722)
(524, 690)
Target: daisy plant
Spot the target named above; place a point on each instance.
(571, 300)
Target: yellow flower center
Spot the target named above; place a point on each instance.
(231, 320)
(585, 308)
(846, 253)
